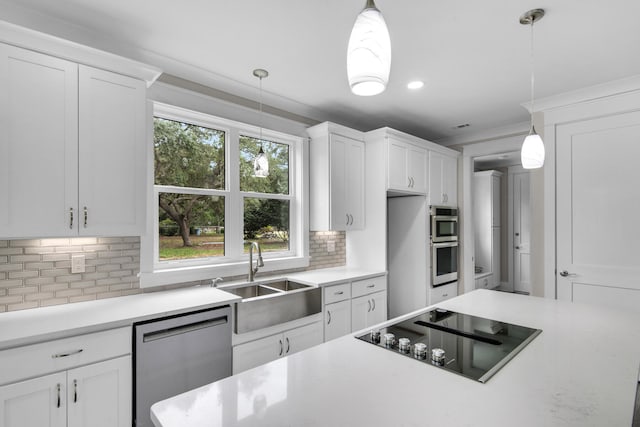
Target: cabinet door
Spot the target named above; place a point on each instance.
(38, 144)
(354, 185)
(338, 177)
(378, 312)
(99, 394)
(360, 308)
(443, 179)
(450, 180)
(337, 319)
(436, 194)
(112, 154)
(302, 338)
(258, 352)
(40, 402)
(418, 166)
(495, 201)
(397, 165)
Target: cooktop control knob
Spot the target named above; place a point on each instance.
(420, 351)
(375, 337)
(404, 345)
(389, 340)
(437, 356)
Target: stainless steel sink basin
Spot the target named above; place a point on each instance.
(252, 291)
(267, 304)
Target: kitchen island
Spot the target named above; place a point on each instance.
(582, 370)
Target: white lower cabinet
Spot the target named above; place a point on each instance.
(83, 393)
(485, 282)
(368, 310)
(442, 293)
(99, 395)
(258, 352)
(34, 403)
(351, 306)
(337, 319)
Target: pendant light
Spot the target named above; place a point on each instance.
(369, 53)
(532, 154)
(261, 162)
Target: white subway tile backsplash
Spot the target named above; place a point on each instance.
(37, 272)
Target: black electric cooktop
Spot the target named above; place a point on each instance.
(467, 345)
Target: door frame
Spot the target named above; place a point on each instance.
(497, 145)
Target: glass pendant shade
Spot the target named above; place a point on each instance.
(369, 53)
(261, 165)
(532, 153)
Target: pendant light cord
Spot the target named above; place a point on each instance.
(532, 74)
(261, 115)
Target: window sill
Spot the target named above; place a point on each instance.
(190, 274)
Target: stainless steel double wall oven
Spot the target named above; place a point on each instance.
(444, 245)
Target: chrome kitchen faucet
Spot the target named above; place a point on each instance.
(253, 270)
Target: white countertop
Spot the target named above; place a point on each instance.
(42, 324)
(332, 276)
(582, 370)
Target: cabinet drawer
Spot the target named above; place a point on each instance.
(52, 356)
(444, 292)
(367, 286)
(337, 293)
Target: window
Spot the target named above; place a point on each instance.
(209, 208)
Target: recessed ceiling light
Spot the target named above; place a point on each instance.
(416, 84)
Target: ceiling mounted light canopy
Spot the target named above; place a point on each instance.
(532, 154)
(369, 53)
(261, 162)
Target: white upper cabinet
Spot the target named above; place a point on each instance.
(38, 144)
(112, 141)
(443, 179)
(336, 178)
(72, 148)
(406, 167)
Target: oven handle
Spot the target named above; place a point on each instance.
(444, 218)
(444, 245)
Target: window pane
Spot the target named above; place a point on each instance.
(190, 226)
(277, 182)
(187, 155)
(266, 221)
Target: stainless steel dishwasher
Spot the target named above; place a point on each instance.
(176, 354)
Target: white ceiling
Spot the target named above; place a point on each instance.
(473, 56)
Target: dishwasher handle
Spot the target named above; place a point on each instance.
(183, 329)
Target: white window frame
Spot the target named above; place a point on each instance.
(155, 272)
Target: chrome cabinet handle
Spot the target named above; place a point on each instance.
(71, 218)
(329, 315)
(371, 286)
(75, 391)
(338, 293)
(347, 215)
(288, 345)
(58, 390)
(374, 305)
(351, 216)
(369, 309)
(445, 295)
(281, 348)
(86, 215)
(71, 353)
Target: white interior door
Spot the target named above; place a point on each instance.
(598, 208)
(521, 233)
